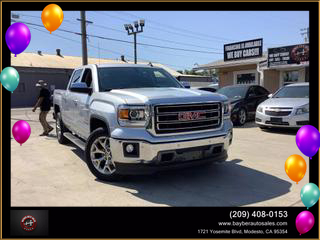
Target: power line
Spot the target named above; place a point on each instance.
(159, 39)
(178, 29)
(32, 16)
(124, 41)
(159, 29)
(185, 30)
(116, 30)
(104, 49)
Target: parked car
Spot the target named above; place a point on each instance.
(244, 100)
(131, 118)
(209, 88)
(288, 107)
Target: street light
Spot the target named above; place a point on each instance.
(130, 29)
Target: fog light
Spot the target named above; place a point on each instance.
(129, 148)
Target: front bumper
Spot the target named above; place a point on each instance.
(174, 150)
(290, 121)
(134, 169)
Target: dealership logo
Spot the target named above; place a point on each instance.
(185, 116)
(28, 223)
(300, 53)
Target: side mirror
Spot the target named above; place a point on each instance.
(81, 88)
(270, 95)
(185, 84)
(251, 95)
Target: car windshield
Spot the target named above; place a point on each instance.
(134, 77)
(293, 92)
(233, 92)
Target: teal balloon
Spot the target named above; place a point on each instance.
(9, 78)
(310, 194)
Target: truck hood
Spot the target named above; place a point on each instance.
(165, 95)
(285, 102)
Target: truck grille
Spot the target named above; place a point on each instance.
(187, 117)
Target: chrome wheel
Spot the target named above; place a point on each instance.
(242, 116)
(101, 157)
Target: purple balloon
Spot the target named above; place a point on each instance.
(18, 37)
(308, 140)
(21, 131)
(304, 222)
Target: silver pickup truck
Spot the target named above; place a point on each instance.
(138, 119)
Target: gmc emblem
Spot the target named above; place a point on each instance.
(185, 116)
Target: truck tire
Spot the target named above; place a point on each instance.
(99, 157)
(61, 129)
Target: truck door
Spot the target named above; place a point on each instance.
(69, 101)
(251, 101)
(82, 109)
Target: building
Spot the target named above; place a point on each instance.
(272, 70)
(56, 71)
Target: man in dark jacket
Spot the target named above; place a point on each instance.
(45, 104)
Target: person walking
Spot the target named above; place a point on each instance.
(45, 104)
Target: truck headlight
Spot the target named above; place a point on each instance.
(133, 115)
(260, 109)
(303, 109)
(226, 110)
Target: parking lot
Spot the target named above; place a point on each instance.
(46, 173)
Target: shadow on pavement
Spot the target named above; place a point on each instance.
(284, 131)
(28, 120)
(250, 124)
(77, 151)
(226, 184)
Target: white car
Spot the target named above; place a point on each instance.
(288, 107)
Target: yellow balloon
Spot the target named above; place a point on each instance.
(295, 167)
(52, 17)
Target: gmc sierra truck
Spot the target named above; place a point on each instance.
(138, 119)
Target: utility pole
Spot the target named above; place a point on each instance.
(305, 32)
(133, 31)
(84, 36)
(135, 48)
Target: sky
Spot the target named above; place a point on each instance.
(204, 32)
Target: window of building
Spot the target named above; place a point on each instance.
(290, 77)
(246, 78)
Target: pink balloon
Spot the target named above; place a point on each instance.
(304, 222)
(21, 131)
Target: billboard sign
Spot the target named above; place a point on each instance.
(243, 50)
(294, 54)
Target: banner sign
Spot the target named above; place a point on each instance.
(243, 50)
(294, 54)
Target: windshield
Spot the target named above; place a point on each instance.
(293, 92)
(134, 77)
(233, 92)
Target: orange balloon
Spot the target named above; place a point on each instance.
(295, 167)
(52, 17)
